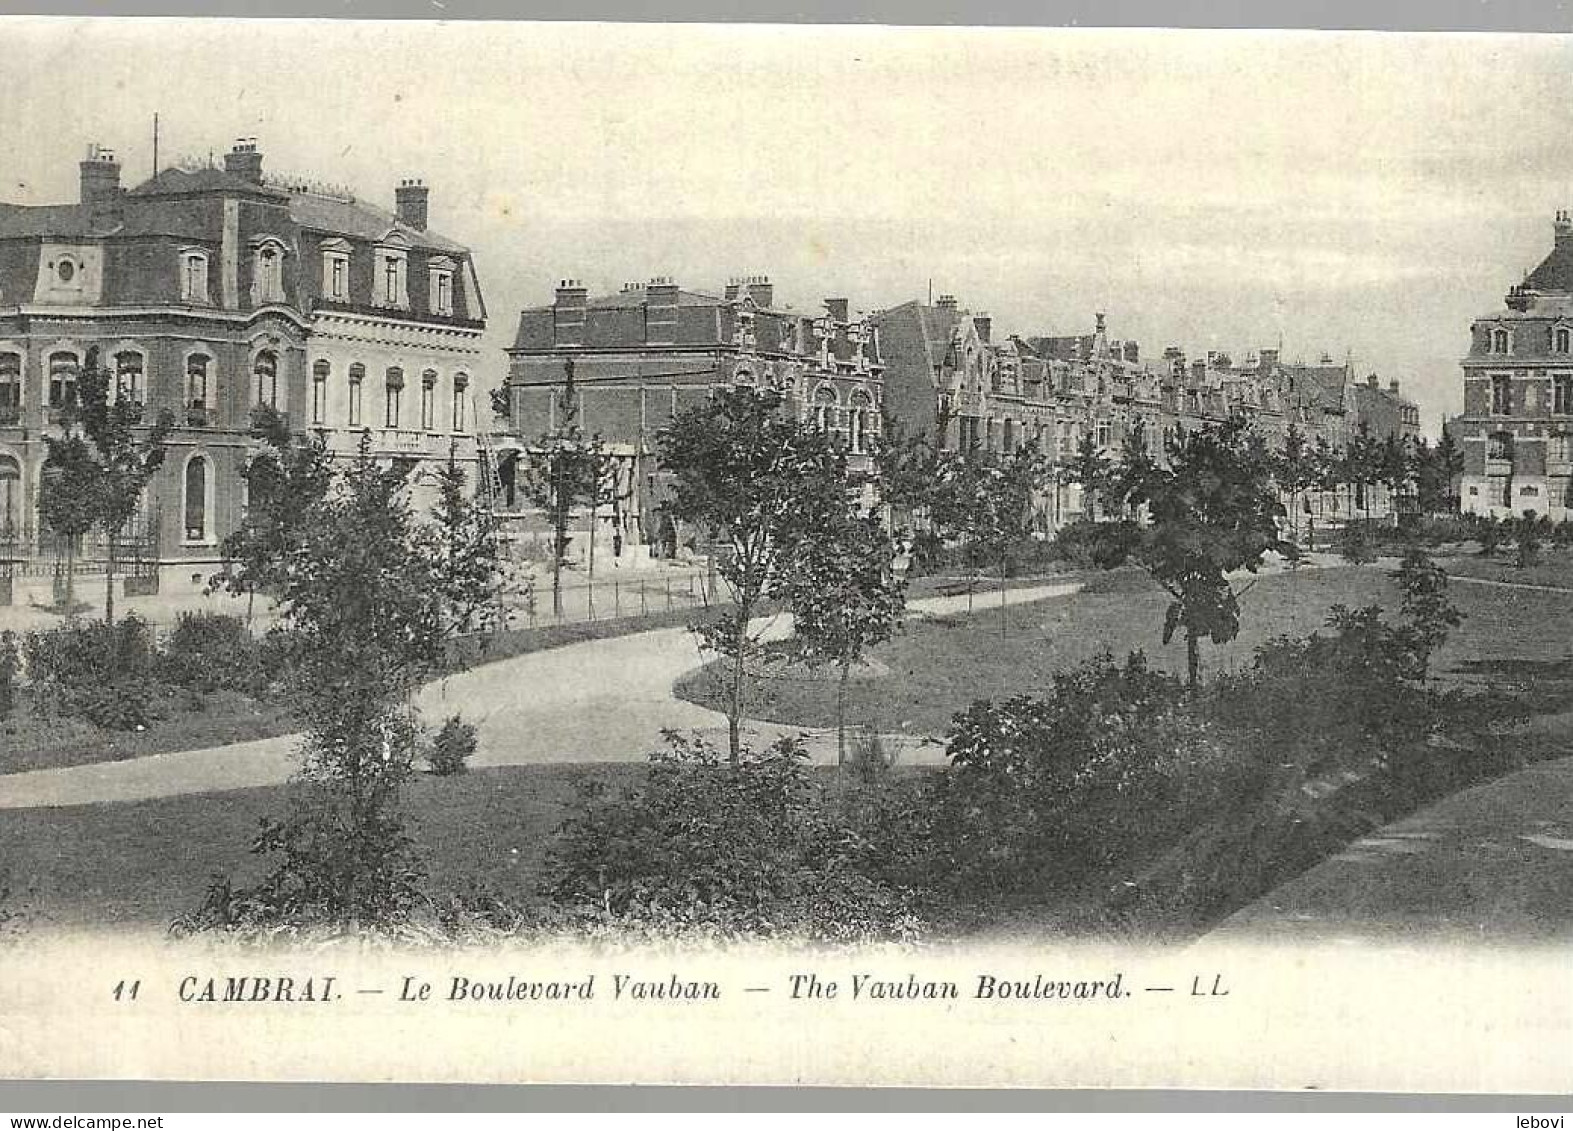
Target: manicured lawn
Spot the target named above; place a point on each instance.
(144, 863)
(1554, 567)
(937, 667)
(32, 741)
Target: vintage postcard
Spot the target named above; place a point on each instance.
(784, 554)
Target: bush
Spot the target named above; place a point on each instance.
(10, 664)
(208, 652)
(1356, 544)
(1528, 532)
(452, 747)
(103, 673)
(1042, 791)
(1098, 545)
(731, 849)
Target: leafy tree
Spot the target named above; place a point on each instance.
(569, 470)
(1213, 511)
(467, 551)
(369, 596)
(1450, 465)
(1000, 511)
(1089, 468)
(1426, 608)
(284, 482)
(762, 482)
(1296, 471)
(844, 599)
(1135, 465)
(100, 482)
(1394, 467)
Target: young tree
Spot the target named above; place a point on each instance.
(1089, 468)
(569, 470)
(1213, 511)
(467, 551)
(1450, 465)
(1000, 514)
(762, 482)
(1295, 470)
(290, 476)
(369, 595)
(102, 480)
(844, 599)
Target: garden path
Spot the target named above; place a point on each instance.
(598, 701)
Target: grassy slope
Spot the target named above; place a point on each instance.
(146, 862)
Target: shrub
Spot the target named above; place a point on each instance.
(452, 747)
(1103, 768)
(706, 845)
(10, 664)
(103, 673)
(1099, 545)
(1489, 531)
(208, 652)
(867, 758)
(1528, 531)
(1356, 544)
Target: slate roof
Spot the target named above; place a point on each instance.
(44, 220)
(1555, 272)
(360, 220)
(171, 182)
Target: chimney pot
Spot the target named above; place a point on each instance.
(244, 161)
(100, 186)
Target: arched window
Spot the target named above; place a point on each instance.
(357, 379)
(319, 391)
(1501, 394)
(64, 368)
(1562, 394)
(825, 412)
(858, 420)
(429, 400)
(1499, 340)
(461, 382)
(10, 388)
(130, 381)
(394, 387)
(1562, 340)
(195, 509)
(10, 497)
(265, 379)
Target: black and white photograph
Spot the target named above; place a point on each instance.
(688, 553)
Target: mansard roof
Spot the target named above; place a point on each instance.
(359, 220)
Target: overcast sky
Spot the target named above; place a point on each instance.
(1349, 193)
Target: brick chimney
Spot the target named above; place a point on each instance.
(734, 290)
(946, 303)
(244, 161)
(101, 190)
(985, 325)
(568, 313)
(761, 290)
(1370, 380)
(1392, 386)
(838, 308)
(410, 202)
(660, 310)
(1562, 228)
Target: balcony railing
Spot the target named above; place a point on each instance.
(400, 442)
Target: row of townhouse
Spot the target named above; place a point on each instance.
(213, 288)
(647, 351)
(209, 290)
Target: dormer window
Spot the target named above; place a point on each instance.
(1499, 340)
(393, 277)
(439, 279)
(267, 280)
(65, 270)
(193, 276)
(336, 270)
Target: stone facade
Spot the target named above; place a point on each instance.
(1516, 430)
(208, 291)
(651, 350)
